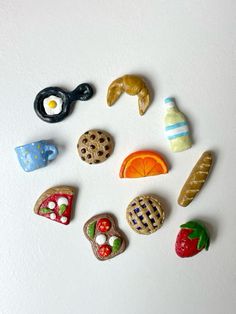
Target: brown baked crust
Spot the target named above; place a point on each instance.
(57, 189)
(196, 179)
(113, 231)
(148, 219)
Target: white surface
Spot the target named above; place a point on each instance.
(184, 49)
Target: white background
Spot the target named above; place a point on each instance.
(184, 49)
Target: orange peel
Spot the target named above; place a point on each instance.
(143, 164)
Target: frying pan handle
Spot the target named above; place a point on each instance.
(82, 92)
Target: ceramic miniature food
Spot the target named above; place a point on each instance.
(36, 155)
(196, 179)
(106, 239)
(132, 85)
(143, 164)
(145, 214)
(176, 127)
(191, 239)
(56, 204)
(53, 104)
(95, 146)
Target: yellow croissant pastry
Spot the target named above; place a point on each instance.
(132, 85)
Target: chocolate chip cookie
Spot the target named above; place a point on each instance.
(95, 146)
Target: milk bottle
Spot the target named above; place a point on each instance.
(176, 127)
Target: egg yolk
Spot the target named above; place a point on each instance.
(52, 104)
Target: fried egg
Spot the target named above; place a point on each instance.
(52, 105)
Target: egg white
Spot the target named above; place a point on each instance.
(52, 111)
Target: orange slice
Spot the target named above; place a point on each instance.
(143, 164)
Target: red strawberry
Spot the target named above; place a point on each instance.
(191, 239)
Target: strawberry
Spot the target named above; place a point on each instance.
(191, 240)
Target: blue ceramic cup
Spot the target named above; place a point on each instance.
(35, 155)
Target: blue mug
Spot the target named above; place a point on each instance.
(36, 155)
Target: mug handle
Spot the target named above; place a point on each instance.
(52, 151)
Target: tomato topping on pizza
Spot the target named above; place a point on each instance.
(56, 204)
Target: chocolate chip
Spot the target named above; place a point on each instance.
(107, 155)
(108, 138)
(92, 137)
(86, 132)
(92, 146)
(100, 153)
(84, 141)
(89, 156)
(83, 158)
(107, 147)
(101, 140)
(96, 161)
(83, 150)
(99, 132)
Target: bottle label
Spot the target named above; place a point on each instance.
(177, 130)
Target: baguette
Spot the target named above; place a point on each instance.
(196, 179)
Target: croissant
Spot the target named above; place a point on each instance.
(196, 179)
(132, 85)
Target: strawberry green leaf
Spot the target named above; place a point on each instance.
(198, 232)
(202, 241)
(207, 243)
(194, 234)
(116, 245)
(45, 210)
(62, 209)
(190, 225)
(91, 229)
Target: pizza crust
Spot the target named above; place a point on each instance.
(55, 190)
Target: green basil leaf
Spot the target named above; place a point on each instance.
(91, 229)
(45, 210)
(116, 245)
(62, 208)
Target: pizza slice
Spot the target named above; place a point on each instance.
(56, 204)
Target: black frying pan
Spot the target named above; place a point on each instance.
(82, 92)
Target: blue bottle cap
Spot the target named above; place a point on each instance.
(168, 100)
